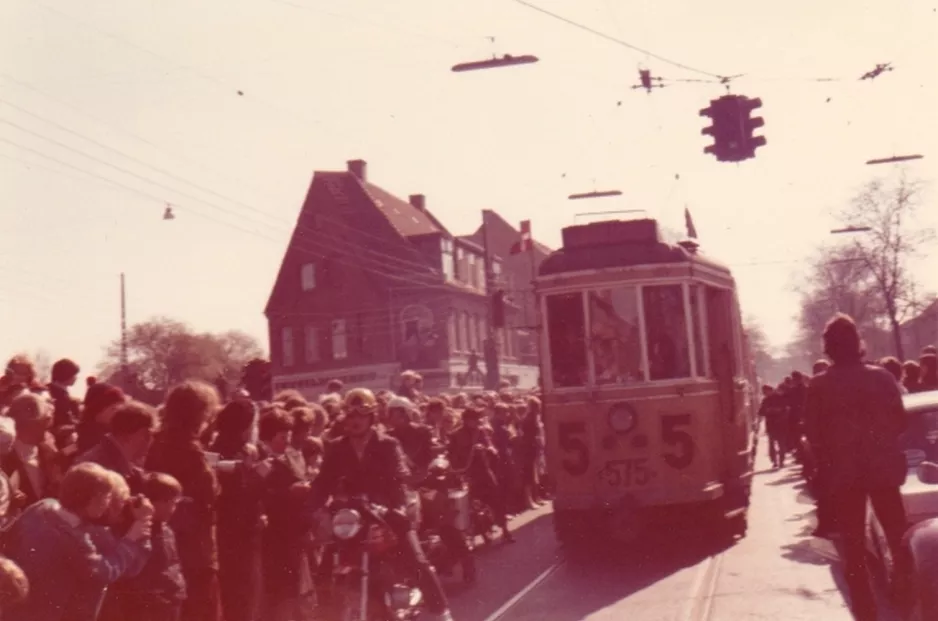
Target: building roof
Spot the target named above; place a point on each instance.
(407, 219)
(502, 236)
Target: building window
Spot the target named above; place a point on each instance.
(449, 262)
(312, 345)
(473, 335)
(339, 340)
(308, 276)
(480, 333)
(479, 274)
(463, 329)
(470, 277)
(286, 341)
(451, 332)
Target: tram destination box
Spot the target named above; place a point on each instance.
(611, 233)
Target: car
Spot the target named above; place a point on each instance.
(919, 493)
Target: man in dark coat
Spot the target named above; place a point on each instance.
(416, 439)
(365, 462)
(855, 417)
(125, 448)
(64, 374)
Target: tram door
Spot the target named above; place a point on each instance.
(723, 366)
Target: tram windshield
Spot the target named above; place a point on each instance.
(567, 332)
(615, 336)
(606, 341)
(666, 329)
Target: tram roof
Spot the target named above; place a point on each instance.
(619, 243)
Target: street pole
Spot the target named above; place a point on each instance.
(124, 369)
(492, 374)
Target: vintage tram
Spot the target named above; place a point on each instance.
(648, 388)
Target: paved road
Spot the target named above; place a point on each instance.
(778, 572)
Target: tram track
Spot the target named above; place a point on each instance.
(699, 604)
(503, 612)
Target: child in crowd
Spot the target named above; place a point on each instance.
(157, 592)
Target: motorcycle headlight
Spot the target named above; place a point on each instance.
(440, 463)
(622, 418)
(346, 523)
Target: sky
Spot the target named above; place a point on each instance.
(224, 108)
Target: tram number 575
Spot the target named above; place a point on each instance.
(680, 442)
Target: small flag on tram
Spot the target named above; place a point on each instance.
(689, 222)
(525, 243)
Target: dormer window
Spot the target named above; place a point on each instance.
(308, 276)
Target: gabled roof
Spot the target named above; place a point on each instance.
(502, 236)
(407, 219)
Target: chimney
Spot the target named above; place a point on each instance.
(359, 168)
(419, 201)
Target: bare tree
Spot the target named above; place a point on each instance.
(895, 237)
(163, 352)
(867, 276)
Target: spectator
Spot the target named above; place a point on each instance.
(911, 374)
(124, 450)
(51, 543)
(32, 463)
(64, 374)
(14, 586)
(96, 415)
(287, 577)
(335, 386)
(188, 411)
(929, 364)
(894, 367)
(157, 592)
(855, 417)
(241, 517)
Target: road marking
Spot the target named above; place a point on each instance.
(700, 603)
(517, 597)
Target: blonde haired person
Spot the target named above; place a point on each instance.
(67, 570)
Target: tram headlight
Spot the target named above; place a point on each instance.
(622, 418)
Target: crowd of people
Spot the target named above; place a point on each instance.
(200, 510)
(845, 424)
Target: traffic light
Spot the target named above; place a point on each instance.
(724, 115)
(750, 124)
(732, 128)
(498, 309)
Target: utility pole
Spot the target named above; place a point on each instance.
(490, 351)
(124, 369)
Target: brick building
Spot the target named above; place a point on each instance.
(371, 284)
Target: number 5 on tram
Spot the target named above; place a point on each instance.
(647, 386)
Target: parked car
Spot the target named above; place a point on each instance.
(919, 493)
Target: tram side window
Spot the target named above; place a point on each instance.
(615, 340)
(668, 351)
(566, 327)
(697, 310)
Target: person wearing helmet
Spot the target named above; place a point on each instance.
(416, 439)
(369, 463)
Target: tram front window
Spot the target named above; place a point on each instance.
(668, 350)
(566, 327)
(615, 340)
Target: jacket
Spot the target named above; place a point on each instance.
(109, 455)
(380, 474)
(854, 418)
(67, 571)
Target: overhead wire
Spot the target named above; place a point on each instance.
(623, 43)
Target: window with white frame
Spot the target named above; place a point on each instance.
(470, 276)
(286, 345)
(449, 262)
(312, 345)
(480, 273)
(451, 332)
(339, 340)
(308, 276)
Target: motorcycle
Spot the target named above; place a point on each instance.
(366, 582)
(446, 522)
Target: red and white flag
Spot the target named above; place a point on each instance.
(526, 242)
